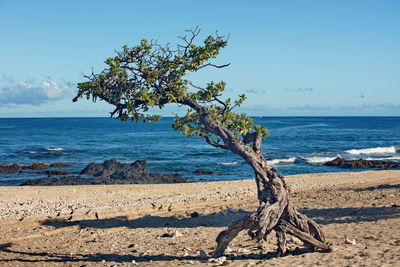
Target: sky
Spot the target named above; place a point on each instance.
(291, 58)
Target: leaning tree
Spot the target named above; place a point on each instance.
(153, 75)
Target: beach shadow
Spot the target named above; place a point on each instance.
(226, 218)
(350, 215)
(372, 188)
(100, 257)
(218, 219)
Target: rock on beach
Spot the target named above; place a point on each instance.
(362, 163)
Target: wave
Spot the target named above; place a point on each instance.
(227, 163)
(30, 152)
(388, 158)
(274, 162)
(53, 148)
(319, 160)
(372, 150)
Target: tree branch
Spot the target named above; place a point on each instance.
(214, 144)
(212, 65)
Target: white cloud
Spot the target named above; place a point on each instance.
(255, 91)
(300, 90)
(32, 93)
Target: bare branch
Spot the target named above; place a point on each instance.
(221, 102)
(214, 144)
(213, 65)
(195, 86)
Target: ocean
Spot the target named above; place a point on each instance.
(296, 145)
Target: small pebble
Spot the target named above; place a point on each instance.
(177, 234)
(219, 260)
(350, 241)
(203, 254)
(194, 214)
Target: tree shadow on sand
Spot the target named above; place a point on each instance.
(363, 214)
(351, 215)
(228, 216)
(220, 219)
(45, 257)
(373, 188)
(225, 218)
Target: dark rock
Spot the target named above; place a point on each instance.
(68, 180)
(58, 165)
(201, 171)
(16, 167)
(166, 235)
(115, 170)
(362, 163)
(76, 180)
(54, 172)
(194, 214)
(7, 168)
(36, 166)
(110, 172)
(135, 172)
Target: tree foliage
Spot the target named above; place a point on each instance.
(153, 75)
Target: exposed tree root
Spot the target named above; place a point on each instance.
(279, 215)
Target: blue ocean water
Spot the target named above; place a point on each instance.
(295, 145)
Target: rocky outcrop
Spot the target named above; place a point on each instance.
(362, 163)
(36, 166)
(112, 172)
(16, 167)
(33, 166)
(116, 170)
(9, 168)
(151, 178)
(58, 165)
(201, 171)
(68, 180)
(135, 172)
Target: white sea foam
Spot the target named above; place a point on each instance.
(319, 160)
(372, 150)
(388, 158)
(227, 163)
(274, 162)
(53, 148)
(31, 152)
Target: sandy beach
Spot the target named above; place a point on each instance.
(168, 225)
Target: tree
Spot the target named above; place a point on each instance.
(153, 75)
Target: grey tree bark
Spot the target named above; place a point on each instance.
(275, 211)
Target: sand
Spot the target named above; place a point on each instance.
(168, 225)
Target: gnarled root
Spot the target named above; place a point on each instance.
(225, 237)
(290, 221)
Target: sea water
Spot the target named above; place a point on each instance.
(295, 145)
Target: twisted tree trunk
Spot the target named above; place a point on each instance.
(275, 212)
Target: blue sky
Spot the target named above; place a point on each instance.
(289, 57)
